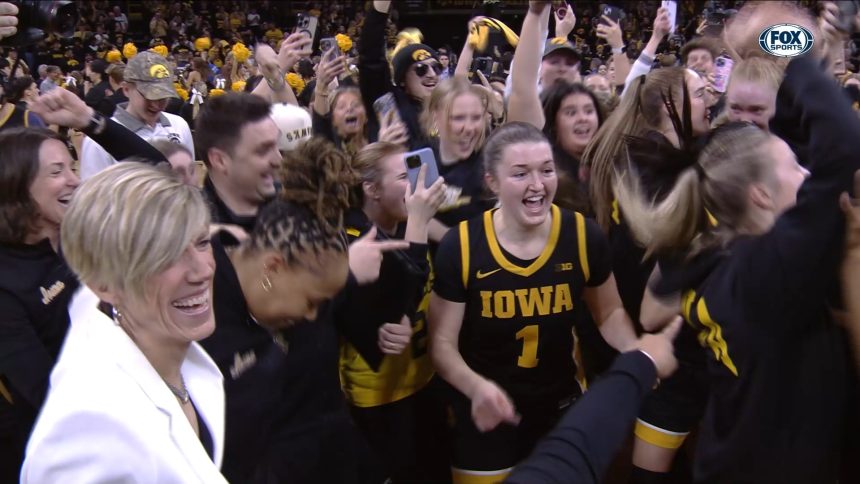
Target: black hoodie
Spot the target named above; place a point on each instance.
(776, 359)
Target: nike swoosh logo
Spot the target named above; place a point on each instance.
(481, 275)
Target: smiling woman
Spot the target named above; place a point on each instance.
(134, 379)
(502, 311)
(36, 184)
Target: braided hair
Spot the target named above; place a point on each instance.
(307, 216)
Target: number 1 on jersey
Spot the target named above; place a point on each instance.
(528, 358)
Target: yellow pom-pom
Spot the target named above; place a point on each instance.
(238, 86)
(240, 52)
(296, 82)
(344, 42)
(182, 93)
(129, 50)
(202, 43)
(215, 92)
(160, 50)
(113, 56)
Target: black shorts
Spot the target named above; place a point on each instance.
(676, 407)
(503, 447)
(409, 437)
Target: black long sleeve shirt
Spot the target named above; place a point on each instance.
(584, 443)
(776, 359)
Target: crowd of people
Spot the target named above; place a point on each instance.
(249, 251)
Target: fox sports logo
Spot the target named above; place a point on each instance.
(786, 40)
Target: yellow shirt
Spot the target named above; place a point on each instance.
(399, 376)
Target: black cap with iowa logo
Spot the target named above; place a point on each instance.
(151, 75)
(407, 56)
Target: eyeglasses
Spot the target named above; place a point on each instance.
(421, 70)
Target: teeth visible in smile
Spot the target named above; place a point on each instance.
(192, 301)
(534, 199)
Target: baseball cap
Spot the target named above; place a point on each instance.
(560, 44)
(152, 76)
(295, 125)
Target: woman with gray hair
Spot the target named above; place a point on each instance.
(133, 397)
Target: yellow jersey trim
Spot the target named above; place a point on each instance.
(353, 232)
(659, 437)
(463, 476)
(8, 115)
(583, 249)
(5, 393)
(464, 252)
(616, 212)
(538, 263)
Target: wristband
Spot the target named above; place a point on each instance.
(97, 125)
(654, 362)
(619, 50)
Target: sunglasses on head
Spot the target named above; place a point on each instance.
(421, 70)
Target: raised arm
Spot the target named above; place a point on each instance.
(375, 78)
(524, 103)
(611, 33)
(642, 66)
(464, 62)
(64, 108)
(275, 90)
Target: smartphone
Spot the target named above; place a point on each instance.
(306, 24)
(672, 7)
(329, 44)
(722, 71)
(483, 64)
(614, 13)
(415, 160)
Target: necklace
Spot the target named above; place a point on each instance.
(181, 393)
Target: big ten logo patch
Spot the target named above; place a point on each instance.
(786, 40)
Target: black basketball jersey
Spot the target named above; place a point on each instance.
(517, 327)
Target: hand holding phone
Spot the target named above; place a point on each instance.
(424, 199)
(613, 13)
(329, 48)
(671, 7)
(415, 160)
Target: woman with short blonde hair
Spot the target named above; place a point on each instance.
(133, 397)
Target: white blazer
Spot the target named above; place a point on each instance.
(109, 417)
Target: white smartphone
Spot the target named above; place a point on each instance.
(672, 7)
(415, 160)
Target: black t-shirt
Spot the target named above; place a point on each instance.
(254, 366)
(466, 196)
(517, 326)
(221, 213)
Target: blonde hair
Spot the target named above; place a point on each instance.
(641, 108)
(442, 99)
(708, 205)
(367, 167)
(759, 70)
(128, 223)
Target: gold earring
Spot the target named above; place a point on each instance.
(266, 283)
